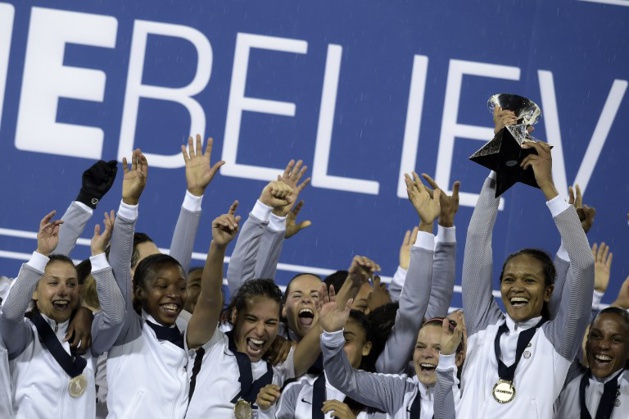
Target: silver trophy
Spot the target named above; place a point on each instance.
(504, 153)
(527, 112)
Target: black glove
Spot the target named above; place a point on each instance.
(97, 180)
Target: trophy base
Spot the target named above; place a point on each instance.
(503, 155)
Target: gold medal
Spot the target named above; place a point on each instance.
(504, 391)
(242, 410)
(77, 386)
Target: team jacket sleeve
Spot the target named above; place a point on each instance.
(446, 389)
(287, 404)
(478, 302)
(16, 333)
(566, 331)
(413, 302)
(244, 257)
(443, 273)
(270, 248)
(384, 392)
(397, 284)
(107, 322)
(561, 268)
(182, 244)
(74, 221)
(120, 259)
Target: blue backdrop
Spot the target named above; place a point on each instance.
(362, 91)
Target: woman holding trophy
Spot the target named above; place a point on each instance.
(510, 354)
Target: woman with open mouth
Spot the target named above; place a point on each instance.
(602, 390)
(508, 354)
(50, 379)
(230, 368)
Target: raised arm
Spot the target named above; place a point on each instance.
(447, 392)
(282, 223)
(479, 305)
(108, 321)
(199, 174)
(444, 262)
(244, 258)
(416, 292)
(96, 182)
(16, 333)
(204, 320)
(566, 331)
(121, 250)
(562, 260)
(397, 283)
(384, 392)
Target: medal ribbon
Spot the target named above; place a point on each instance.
(249, 389)
(198, 360)
(504, 372)
(606, 405)
(416, 407)
(171, 334)
(72, 365)
(318, 397)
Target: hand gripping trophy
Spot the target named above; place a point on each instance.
(504, 153)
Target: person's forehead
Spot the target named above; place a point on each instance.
(305, 283)
(525, 264)
(60, 268)
(609, 322)
(262, 305)
(169, 272)
(429, 334)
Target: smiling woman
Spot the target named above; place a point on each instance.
(230, 368)
(603, 389)
(507, 352)
(49, 378)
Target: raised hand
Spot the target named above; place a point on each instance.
(100, 241)
(292, 226)
(586, 214)
(96, 182)
(268, 396)
(48, 234)
(291, 176)
(405, 250)
(542, 165)
(427, 205)
(361, 269)
(134, 179)
(450, 337)
(225, 227)
(332, 317)
(277, 195)
(622, 300)
(502, 118)
(602, 266)
(449, 204)
(199, 170)
(337, 409)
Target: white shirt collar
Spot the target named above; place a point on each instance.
(518, 327)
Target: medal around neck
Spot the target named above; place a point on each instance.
(243, 410)
(77, 386)
(503, 391)
(504, 153)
